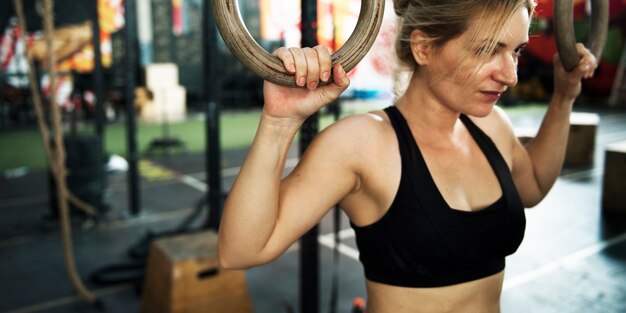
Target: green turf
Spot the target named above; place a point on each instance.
(237, 131)
(21, 149)
(24, 148)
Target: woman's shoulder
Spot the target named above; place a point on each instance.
(361, 123)
(359, 131)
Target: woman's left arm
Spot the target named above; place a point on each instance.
(537, 165)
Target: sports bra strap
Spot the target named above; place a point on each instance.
(503, 173)
(414, 167)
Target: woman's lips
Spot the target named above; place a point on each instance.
(492, 95)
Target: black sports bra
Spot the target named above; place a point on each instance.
(422, 242)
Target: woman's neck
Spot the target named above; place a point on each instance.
(425, 112)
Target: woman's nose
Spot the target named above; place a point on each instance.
(506, 73)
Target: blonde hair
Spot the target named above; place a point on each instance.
(442, 21)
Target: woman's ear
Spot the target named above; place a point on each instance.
(421, 47)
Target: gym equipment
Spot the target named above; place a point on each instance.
(269, 67)
(134, 201)
(564, 30)
(169, 104)
(212, 108)
(133, 270)
(183, 276)
(85, 174)
(582, 139)
(309, 282)
(613, 195)
(56, 156)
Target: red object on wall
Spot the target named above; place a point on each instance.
(543, 47)
(545, 9)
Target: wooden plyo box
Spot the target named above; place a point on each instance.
(169, 103)
(183, 276)
(161, 74)
(614, 181)
(582, 139)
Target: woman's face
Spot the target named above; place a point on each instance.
(462, 83)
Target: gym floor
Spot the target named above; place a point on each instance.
(573, 258)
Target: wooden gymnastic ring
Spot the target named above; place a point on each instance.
(269, 67)
(564, 30)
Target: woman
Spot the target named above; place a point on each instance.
(434, 186)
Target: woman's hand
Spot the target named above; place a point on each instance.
(567, 85)
(311, 68)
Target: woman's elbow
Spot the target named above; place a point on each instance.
(530, 204)
(234, 261)
(533, 200)
(532, 194)
(229, 254)
(230, 261)
(227, 263)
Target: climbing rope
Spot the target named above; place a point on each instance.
(56, 158)
(43, 129)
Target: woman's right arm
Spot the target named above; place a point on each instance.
(263, 215)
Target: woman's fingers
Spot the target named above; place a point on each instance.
(301, 66)
(313, 68)
(287, 58)
(308, 65)
(341, 79)
(339, 84)
(325, 62)
(568, 84)
(588, 62)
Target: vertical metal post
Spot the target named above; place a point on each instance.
(212, 122)
(2, 117)
(213, 165)
(309, 248)
(98, 78)
(130, 47)
(98, 85)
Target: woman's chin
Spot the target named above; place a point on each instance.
(481, 110)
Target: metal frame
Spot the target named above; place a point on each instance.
(212, 123)
(309, 247)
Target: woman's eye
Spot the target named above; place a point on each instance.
(519, 51)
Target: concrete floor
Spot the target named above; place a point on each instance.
(573, 259)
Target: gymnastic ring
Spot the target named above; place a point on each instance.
(564, 30)
(270, 67)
